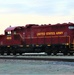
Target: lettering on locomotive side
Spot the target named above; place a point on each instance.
(49, 33)
(40, 33)
(59, 33)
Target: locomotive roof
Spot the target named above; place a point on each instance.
(36, 25)
(53, 25)
(13, 28)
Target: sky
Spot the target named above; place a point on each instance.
(22, 12)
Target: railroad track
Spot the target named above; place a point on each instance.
(44, 58)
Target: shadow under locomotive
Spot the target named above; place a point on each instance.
(49, 49)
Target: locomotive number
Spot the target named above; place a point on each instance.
(9, 38)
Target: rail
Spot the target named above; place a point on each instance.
(44, 58)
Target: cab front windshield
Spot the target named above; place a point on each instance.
(8, 33)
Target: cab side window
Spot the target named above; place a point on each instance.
(9, 33)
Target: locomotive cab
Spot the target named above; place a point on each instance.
(14, 35)
(12, 40)
(10, 31)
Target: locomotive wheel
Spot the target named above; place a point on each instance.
(14, 53)
(20, 53)
(2, 53)
(65, 53)
(71, 53)
(55, 53)
(8, 53)
(48, 53)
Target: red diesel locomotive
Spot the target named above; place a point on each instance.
(32, 38)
